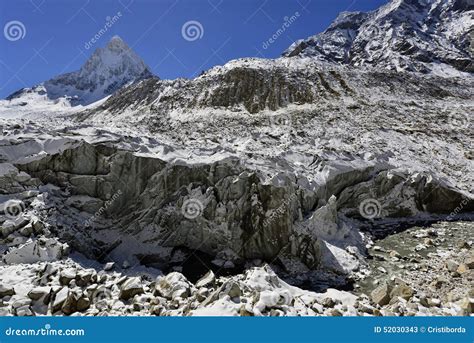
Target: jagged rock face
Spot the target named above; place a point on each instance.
(242, 87)
(235, 209)
(246, 87)
(152, 195)
(412, 35)
(105, 72)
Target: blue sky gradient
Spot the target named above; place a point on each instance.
(57, 33)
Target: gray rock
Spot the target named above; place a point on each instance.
(328, 302)
(70, 304)
(38, 293)
(207, 280)
(381, 294)
(109, 266)
(59, 299)
(24, 311)
(232, 289)
(66, 276)
(402, 291)
(452, 265)
(86, 277)
(22, 307)
(469, 262)
(130, 288)
(173, 285)
(6, 291)
(434, 302)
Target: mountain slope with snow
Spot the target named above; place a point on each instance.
(105, 72)
(410, 35)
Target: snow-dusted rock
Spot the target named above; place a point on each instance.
(41, 249)
(401, 35)
(174, 285)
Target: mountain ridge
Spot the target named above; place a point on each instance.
(403, 35)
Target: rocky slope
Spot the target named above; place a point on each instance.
(298, 163)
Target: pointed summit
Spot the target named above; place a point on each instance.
(117, 43)
(106, 71)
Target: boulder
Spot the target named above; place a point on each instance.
(24, 311)
(462, 268)
(109, 266)
(381, 294)
(86, 277)
(434, 302)
(59, 299)
(451, 265)
(130, 288)
(402, 291)
(41, 249)
(328, 302)
(38, 293)
(469, 262)
(22, 307)
(66, 276)
(206, 280)
(173, 285)
(6, 291)
(232, 289)
(467, 306)
(70, 304)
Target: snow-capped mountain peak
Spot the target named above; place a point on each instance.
(411, 35)
(107, 70)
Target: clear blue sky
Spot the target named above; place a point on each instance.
(58, 30)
